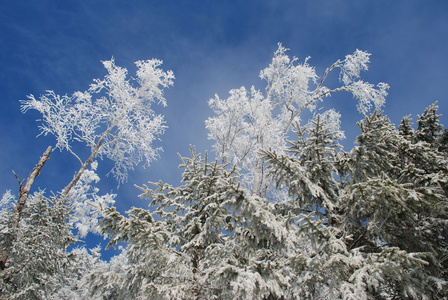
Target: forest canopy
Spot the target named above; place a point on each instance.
(277, 210)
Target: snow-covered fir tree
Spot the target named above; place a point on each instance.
(405, 128)
(38, 259)
(207, 239)
(395, 204)
(428, 126)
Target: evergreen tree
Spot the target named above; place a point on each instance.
(428, 126)
(208, 238)
(405, 128)
(384, 235)
(39, 257)
(395, 200)
(309, 176)
(309, 173)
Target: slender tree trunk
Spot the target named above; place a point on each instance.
(84, 166)
(257, 177)
(24, 191)
(260, 185)
(195, 262)
(79, 173)
(23, 196)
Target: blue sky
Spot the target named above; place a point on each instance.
(212, 47)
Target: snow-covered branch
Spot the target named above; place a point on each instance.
(114, 116)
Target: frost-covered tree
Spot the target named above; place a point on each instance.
(375, 218)
(395, 199)
(309, 174)
(39, 264)
(249, 121)
(114, 118)
(428, 126)
(405, 128)
(38, 256)
(17, 212)
(208, 238)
